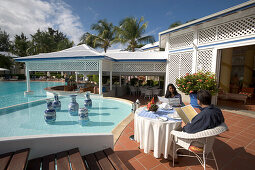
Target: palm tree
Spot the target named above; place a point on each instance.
(131, 31)
(104, 38)
(175, 24)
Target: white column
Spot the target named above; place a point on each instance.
(120, 80)
(125, 80)
(167, 63)
(110, 80)
(214, 60)
(28, 77)
(100, 77)
(195, 50)
(76, 76)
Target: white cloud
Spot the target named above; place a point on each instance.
(29, 15)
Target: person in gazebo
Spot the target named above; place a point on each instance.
(171, 92)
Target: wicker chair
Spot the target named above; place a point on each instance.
(205, 138)
(133, 90)
(148, 93)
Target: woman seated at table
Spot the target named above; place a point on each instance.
(172, 93)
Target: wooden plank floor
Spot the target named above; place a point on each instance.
(66, 160)
(105, 159)
(14, 160)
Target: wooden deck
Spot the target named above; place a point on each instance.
(66, 160)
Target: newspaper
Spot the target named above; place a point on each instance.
(187, 113)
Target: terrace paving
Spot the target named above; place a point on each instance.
(234, 149)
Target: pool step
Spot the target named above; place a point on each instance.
(14, 160)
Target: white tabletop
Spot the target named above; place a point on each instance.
(154, 134)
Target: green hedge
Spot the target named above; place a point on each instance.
(21, 76)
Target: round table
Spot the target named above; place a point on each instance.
(153, 133)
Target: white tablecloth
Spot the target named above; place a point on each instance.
(153, 134)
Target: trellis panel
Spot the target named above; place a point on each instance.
(204, 60)
(173, 67)
(179, 65)
(207, 35)
(184, 40)
(107, 66)
(186, 63)
(232, 29)
(78, 65)
(139, 67)
(241, 27)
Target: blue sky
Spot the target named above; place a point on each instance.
(74, 17)
(159, 13)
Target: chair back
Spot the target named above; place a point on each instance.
(148, 92)
(156, 92)
(205, 137)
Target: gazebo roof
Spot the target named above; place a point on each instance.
(77, 52)
(85, 52)
(137, 56)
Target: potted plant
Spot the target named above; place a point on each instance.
(190, 84)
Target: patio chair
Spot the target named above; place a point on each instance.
(148, 93)
(203, 142)
(156, 92)
(142, 89)
(132, 90)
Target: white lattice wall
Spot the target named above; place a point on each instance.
(139, 67)
(179, 65)
(184, 40)
(204, 60)
(107, 65)
(76, 65)
(207, 35)
(186, 63)
(232, 29)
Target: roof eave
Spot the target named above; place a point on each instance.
(22, 59)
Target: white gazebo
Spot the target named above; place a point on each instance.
(84, 59)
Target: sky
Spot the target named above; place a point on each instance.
(74, 17)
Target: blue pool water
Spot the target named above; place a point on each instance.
(28, 119)
(12, 93)
(104, 115)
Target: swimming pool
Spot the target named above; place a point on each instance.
(12, 93)
(104, 115)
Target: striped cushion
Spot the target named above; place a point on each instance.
(196, 149)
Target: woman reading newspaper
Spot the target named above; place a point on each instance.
(171, 92)
(208, 118)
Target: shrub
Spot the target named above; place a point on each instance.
(192, 83)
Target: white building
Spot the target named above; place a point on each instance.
(223, 43)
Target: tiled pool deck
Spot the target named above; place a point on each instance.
(234, 149)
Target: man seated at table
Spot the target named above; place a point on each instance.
(208, 118)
